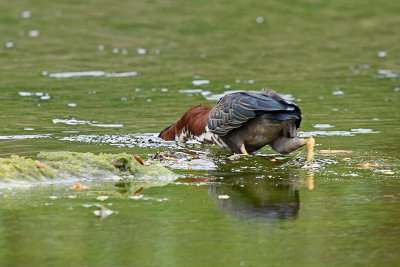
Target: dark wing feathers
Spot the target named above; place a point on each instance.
(235, 109)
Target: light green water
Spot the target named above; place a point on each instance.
(339, 61)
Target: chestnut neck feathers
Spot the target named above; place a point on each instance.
(192, 123)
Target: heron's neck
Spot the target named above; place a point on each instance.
(191, 124)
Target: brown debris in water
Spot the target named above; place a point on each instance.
(138, 192)
(367, 165)
(39, 164)
(117, 164)
(141, 161)
(79, 186)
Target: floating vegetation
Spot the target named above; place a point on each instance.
(95, 73)
(22, 170)
(66, 165)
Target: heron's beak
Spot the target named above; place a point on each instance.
(310, 143)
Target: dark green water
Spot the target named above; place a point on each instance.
(340, 210)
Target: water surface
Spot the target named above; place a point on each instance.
(106, 78)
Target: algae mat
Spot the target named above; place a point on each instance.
(63, 165)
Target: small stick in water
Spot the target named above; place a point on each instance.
(167, 158)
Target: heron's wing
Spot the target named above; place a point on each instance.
(235, 109)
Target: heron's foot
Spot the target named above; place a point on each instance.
(243, 150)
(236, 156)
(310, 143)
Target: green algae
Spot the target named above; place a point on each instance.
(62, 165)
(23, 170)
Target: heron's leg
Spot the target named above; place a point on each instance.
(243, 150)
(285, 145)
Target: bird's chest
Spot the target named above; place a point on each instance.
(208, 137)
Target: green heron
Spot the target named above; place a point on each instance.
(243, 122)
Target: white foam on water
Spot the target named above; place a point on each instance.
(26, 14)
(352, 132)
(33, 33)
(45, 97)
(141, 197)
(387, 74)
(69, 122)
(94, 73)
(24, 136)
(141, 51)
(191, 91)
(121, 74)
(322, 126)
(200, 82)
(25, 94)
(9, 45)
(338, 92)
(260, 19)
(124, 140)
(364, 131)
(381, 54)
(209, 96)
(106, 125)
(90, 123)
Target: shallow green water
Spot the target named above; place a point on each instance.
(339, 61)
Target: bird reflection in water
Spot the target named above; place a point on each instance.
(257, 198)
